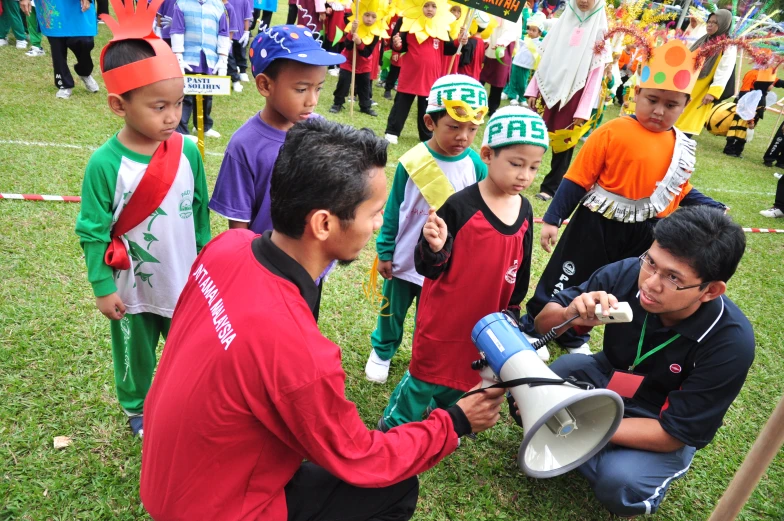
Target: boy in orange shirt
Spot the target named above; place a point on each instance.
(630, 172)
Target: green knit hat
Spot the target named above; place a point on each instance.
(456, 87)
(516, 126)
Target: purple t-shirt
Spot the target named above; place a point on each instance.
(242, 190)
(243, 10)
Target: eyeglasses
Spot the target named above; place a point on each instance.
(648, 268)
(711, 22)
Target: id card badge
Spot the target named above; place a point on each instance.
(624, 383)
(577, 37)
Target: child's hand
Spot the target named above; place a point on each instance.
(548, 237)
(385, 269)
(435, 231)
(329, 11)
(85, 5)
(397, 42)
(354, 26)
(357, 39)
(111, 306)
(532, 103)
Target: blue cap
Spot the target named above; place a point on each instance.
(288, 42)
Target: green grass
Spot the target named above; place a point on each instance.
(55, 361)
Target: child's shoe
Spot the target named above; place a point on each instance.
(90, 83)
(392, 140)
(504, 96)
(244, 77)
(335, 108)
(376, 369)
(369, 112)
(334, 72)
(212, 133)
(63, 93)
(137, 425)
(35, 51)
(237, 86)
(387, 94)
(21, 44)
(514, 103)
(773, 213)
(3, 42)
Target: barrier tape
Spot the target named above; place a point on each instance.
(77, 199)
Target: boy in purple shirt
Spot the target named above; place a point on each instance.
(289, 67)
(238, 63)
(202, 21)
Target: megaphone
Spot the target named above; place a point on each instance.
(564, 424)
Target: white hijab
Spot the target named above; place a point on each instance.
(564, 69)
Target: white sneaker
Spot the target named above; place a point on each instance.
(514, 103)
(63, 93)
(3, 42)
(542, 352)
(391, 139)
(777, 175)
(504, 96)
(212, 133)
(90, 83)
(373, 103)
(582, 350)
(334, 72)
(21, 44)
(35, 51)
(376, 369)
(774, 213)
(237, 86)
(244, 76)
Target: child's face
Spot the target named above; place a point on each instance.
(429, 9)
(294, 93)
(658, 109)
(369, 18)
(585, 5)
(512, 168)
(450, 137)
(154, 110)
(456, 11)
(533, 32)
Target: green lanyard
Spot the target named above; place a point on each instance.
(582, 20)
(656, 349)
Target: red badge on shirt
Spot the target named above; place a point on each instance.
(625, 384)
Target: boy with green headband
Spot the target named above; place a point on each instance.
(475, 255)
(426, 176)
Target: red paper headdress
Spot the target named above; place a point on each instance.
(135, 23)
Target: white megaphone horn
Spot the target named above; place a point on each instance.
(564, 424)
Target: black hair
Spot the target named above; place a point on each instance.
(435, 116)
(124, 52)
(274, 68)
(322, 165)
(707, 239)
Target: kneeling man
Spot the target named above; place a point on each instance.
(248, 387)
(678, 365)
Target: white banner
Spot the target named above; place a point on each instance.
(207, 85)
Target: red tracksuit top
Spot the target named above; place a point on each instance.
(474, 69)
(248, 387)
(367, 58)
(422, 64)
(484, 267)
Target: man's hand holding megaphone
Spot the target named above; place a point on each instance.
(585, 306)
(482, 410)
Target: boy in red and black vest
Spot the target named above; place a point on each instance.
(366, 61)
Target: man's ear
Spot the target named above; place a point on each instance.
(264, 84)
(117, 104)
(715, 290)
(319, 224)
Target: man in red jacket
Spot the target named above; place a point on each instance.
(248, 387)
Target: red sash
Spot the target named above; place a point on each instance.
(147, 197)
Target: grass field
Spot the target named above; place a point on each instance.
(55, 360)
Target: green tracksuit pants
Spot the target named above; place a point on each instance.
(11, 20)
(412, 397)
(134, 340)
(400, 294)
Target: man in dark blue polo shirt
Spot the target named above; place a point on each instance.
(678, 364)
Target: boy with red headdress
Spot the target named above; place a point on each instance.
(144, 211)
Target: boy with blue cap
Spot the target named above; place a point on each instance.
(289, 68)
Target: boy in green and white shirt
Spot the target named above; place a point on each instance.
(425, 177)
(161, 248)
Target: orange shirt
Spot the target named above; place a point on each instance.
(748, 80)
(625, 158)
